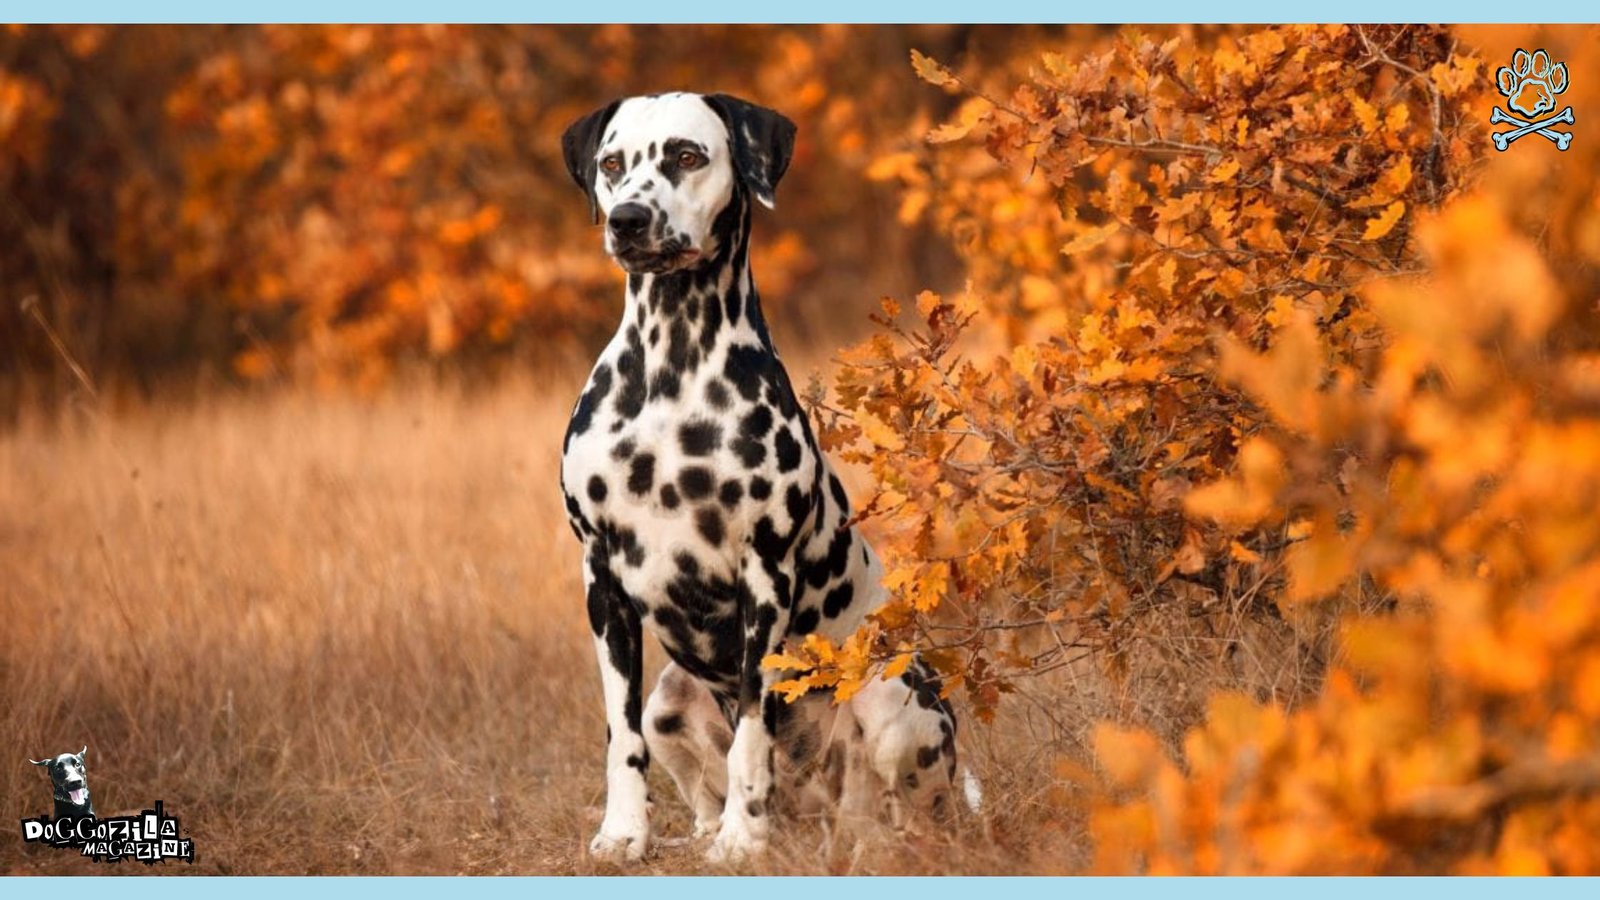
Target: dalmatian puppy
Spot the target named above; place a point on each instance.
(707, 513)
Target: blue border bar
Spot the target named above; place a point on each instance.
(789, 11)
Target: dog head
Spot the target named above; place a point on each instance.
(68, 777)
(664, 170)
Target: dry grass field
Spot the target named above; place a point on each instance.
(345, 635)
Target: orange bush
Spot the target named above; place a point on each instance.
(1240, 362)
(1117, 211)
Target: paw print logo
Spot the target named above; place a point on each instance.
(1530, 85)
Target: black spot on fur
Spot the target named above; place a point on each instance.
(927, 756)
(717, 394)
(838, 600)
(709, 523)
(699, 438)
(756, 423)
(768, 543)
(696, 482)
(632, 552)
(806, 622)
(672, 723)
(839, 553)
(668, 293)
(711, 326)
(745, 369)
(665, 383)
(669, 496)
(681, 356)
(839, 496)
(639, 761)
(642, 473)
(755, 809)
(575, 518)
(774, 712)
(798, 505)
(630, 366)
(751, 453)
(597, 612)
(760, 488)
(583, 415)
(597, 489)
(788, 450)
(731, 493)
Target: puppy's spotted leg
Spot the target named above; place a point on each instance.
(746, 816)
(688, 734)
(625, 830)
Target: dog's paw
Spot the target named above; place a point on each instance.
(620, 844)
(734, 845)
(706, 828)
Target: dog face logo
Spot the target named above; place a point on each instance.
(149, 836)
(1530, 85)
(662, 171)
(70, 781)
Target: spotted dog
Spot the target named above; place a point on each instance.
(708, 514)
(69, 783)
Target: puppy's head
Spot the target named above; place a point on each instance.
(660, 171)
(68, 777)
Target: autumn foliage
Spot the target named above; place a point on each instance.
(1260, 345)
(315, 204)
(1119, 213)
(1251, 336)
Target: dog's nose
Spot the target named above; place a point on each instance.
(629, 221)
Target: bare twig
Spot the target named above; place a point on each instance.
(30, 307)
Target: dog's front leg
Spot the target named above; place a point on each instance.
(746, 816)
(625, 831)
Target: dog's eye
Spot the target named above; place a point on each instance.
(689, 159)
(612, 163)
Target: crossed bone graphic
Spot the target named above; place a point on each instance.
(1504, 139)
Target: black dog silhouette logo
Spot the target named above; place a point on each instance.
(149, 836)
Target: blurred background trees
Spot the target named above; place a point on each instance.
(320, 203)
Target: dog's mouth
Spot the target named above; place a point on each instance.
(78, 795)
(669, 258)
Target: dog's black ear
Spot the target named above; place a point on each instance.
(579, 143)
(762, 141)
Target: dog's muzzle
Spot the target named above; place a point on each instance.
(630, 228)
(77, 794)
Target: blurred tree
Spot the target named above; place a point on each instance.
(318, 202)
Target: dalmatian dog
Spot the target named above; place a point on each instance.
(709, 516)
(69, 784)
